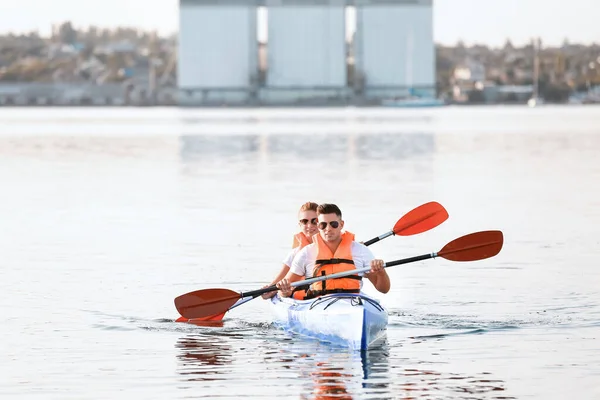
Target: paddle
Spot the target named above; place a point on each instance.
(420, 219)
(217, 317)
(423, 218)
(472, 247)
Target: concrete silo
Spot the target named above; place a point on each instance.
(217, 60)
(306, 51)
(393, 48)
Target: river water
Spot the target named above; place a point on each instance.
(106, 215)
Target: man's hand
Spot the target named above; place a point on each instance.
(285, 288)
(376, 267)
(378, 277)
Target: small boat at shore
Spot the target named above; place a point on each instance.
(413, 102)
(352, 320)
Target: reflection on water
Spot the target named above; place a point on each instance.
(375, 366)
(424, 383)
(330, 382)
(381, 146)
(394, 146)
(335, 147)
(198, 147)
(127, 206)
(325, 372)
(210, 359)
(519, 145)
(87, 148)
(199, 355)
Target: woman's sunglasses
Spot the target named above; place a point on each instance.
(334, 225)
(305, 221)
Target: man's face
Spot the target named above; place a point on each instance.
(327, 231)
(308, 222)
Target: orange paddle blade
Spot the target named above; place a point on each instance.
(210, 318)
(205, 303)
(474, 246)
(421, 219)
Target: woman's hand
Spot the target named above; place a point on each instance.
(268, 295)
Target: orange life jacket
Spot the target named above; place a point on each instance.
(300, 240)
(328, 263)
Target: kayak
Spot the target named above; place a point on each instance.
(352, 320)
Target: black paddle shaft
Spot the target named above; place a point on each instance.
(378, 238)
(411, 259)
(255, 293)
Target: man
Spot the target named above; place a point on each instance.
(333, 251)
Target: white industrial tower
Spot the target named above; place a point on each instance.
(393, 53)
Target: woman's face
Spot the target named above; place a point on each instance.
(308, 222)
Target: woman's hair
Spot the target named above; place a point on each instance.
(309, 206)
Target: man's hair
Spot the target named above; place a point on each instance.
(326, 208)
(309, 206)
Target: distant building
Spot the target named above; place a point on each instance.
(123, 46)
(394, 48)
(469, 77)
(218, 51)
(469, 71)
(306, 51)
(305, 59)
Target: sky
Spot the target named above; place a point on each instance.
(467, 20)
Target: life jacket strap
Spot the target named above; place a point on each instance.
(311, 294)
(334, 261)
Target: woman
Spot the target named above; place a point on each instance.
(307, 220)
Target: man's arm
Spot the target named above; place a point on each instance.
(378, 276)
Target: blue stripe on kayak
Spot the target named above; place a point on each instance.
(363, 339)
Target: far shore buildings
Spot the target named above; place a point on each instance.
(307, 57)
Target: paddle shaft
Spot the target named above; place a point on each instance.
(310, 281)
(472, 247)
(421, 217)
(247, 296)
(203, 303)
(256, 293)
(378, 238)
(241, 301)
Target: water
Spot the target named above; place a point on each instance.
(108, 214)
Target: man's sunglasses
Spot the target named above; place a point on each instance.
(334, 225)
(305, 221)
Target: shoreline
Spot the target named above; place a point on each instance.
(282, 106)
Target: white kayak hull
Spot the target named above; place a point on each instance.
(356, 321)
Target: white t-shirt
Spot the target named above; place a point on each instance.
(290, 256)
(304, 262)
